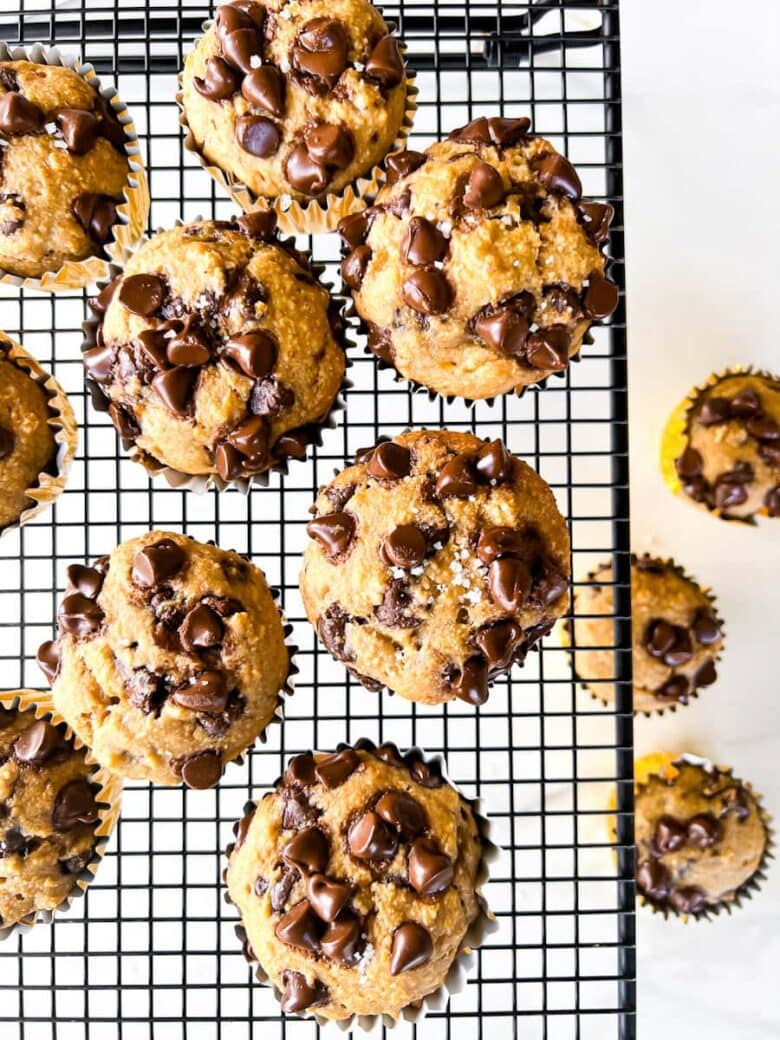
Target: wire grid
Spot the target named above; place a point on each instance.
(150, 951)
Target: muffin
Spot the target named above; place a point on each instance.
(356, 880)
(478, 270)
(37, 436)
(677, 635)
(218, 353)
(295, 101)
(721, 447)
(701, 836)
(48, 816)
(65, 168)
(169, 658)
(435, 562)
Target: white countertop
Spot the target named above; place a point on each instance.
(701, 110)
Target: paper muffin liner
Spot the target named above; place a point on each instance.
(317, 215)
(201, 483)
(674, 438)
(63, 425)
(564, 639)
(662, 763)
(463, 964)
(132, 212)
(109, 803)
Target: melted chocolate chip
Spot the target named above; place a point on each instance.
(269, 397)
(457, 478)
(423, 243)
(484, 188)
(19, 116)
(430, 871)
(669, 835)
(653, 879)
(705, 627)
(207, 692)
(321, 50)
(548, 348)
(157, 562)
(250, 439)
(392, 611)
(259, 224)
(49, 659)
(412, 948)
(557, 174)
(496, 130)
(264, 88)
(298, 811)
(494, 462)
(405, 546)
(509, 583)
(240, 46)
(596, 217)
(495, 542)
(385, 63)
(601, 297)
(327, 896)
(497, 643)
(403, 812)
(309, 851)
(690, 464)
(79, 616)
(220, 82)
(335, 769)
(299, 994)
(354, 266)
(390, 461)
(687, 900)
(331, 628)
(334, 532)
(78, 128)
(505, 329)
(74, 804)
(300, 770)
(188, 346)
(329, 145)
(341, 941)
(37, 743)
(427, 291)
(470, 682)
(304, 173)
(86, 580)
(299, 927)
(141, 293)
(674, 689)
(354, 228)
(706, 674)
(96, 214)
(704, 831)
(401, 164)
(253, 353)
(258, 136)
(202, 770)
(369, 838)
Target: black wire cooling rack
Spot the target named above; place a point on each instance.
(150, 951)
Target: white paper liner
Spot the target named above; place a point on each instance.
(132, 213)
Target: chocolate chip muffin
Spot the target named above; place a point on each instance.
(356, 880)
(701, 837)
(435, 562)
(678, 636)
(169, 658)
(478, 269)
(295, 100)
(48, 816)
(218, 353)
(722, 447)
(63, 168)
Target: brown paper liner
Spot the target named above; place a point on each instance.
(484, 924)
(132, 212)
(109, 803)
(200, 483)
(62, 422)
(316, 215)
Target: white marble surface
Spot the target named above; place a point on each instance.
(701, 91)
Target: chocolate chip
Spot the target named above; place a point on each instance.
(423, 243)
(327, 897)
(505, 329)
(596, 217)
(78, 128)
(457, 478)
(141, 293)
(280, 893)
(674, 689)
(495, 130)
(298, 812)
(49, 659)
(201, 628)
(79, 616)
(354, 266)
(745, 404)
(669, 835)
(7, 441)
(401, 164)
(37, 743)
(498, 541)
(85, 580)
(763, 428)
(494, 462)
(269, 397)
(74, 804)
(334, 532)
(427, 291)
(412, 947)
(299, 994)
(341, 940)
(403, 812)
(240, 47)
(706, 627)
(331, 628)
(690, 464)
(660, 637)
(207, 692)
(430, 871)
(259, 224)
(300, 769)
(96, 214)
(304, 174)
(309, 851)
(392, 611)
(370, 838)
(484, 188)
(390, 461)
(253, 353)
(470, 682)
(557, 174)
(231, 17)
(405, 547)
(220, 82)
(321, 50)
(157, 562)
(601, 297)
(713, 410)
(241, 829)
(772, 501)
(354, 228)
(202, 770)
(299, 927)
(653, 879)
(335, 769)
(548, 348)
(293, 444)
(329, 145)
(729, 492)
(250, 439)
(706, 674)
(385, 63)
(687, 900)
(509, 583)
(264, 88)
(19, 116)
(258, 136)
(704, 831)
(497, 643)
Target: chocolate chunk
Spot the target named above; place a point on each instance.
(596, 217)
(509, 583)
(207, 692)
(497, 643)
(304, 174)
(96, 214)
(423, 243)
(299, 927)
(706, 627)
(653, 879)
(240, 47)
(498, 541)
(334, 532)
(494, 462)
(704, 831)
(85, 580)
(430, 871)
(341, 940)
(309, 851)
(327, 897)
(79, 616)
(354, 266)
(390, 461)
(49, 659)
(37, 743)
(335, 769)
(298, 811)
(19, 116)
(141, 293)
(7, 441)
(250, 439)
(392, 611)
(548, 348)
(354, 228)
(280, 893)
(457, 478)
(405, 547)
(505, 329)
(299, 994)
(202, 770)
(401, 164)
(690, 464)
(385, 63)
(220, 82)
(470, 682)
(74, 804)
(329, 145)
(557, 174)
(147, 691)
(484, 188)
(427, 291)
(370, 838)
(669, 835)
(674, 689)
(412, 947)
(321, 50)
(78, 128)
(706, 674)
(264, 88)
(601, 297)
(403, 812)
(157, 562)
(687, 900)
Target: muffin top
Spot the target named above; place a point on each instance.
(48, 814)
(356, 881)
(27, 445)
(700, 836)
(63, 168)
(731, 459)
(295, 99)
(218, 351)
(435, 561)
(169, 658)
(677, 635)
(478, 269)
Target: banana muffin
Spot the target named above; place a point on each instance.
(356, 880)
(435, 562)
(677, 639)
(169, 658)
(218, 353)
(478, 270)
(63, 168)
(701, 836)
(293, 99)
(48, 815)
(722, 447)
